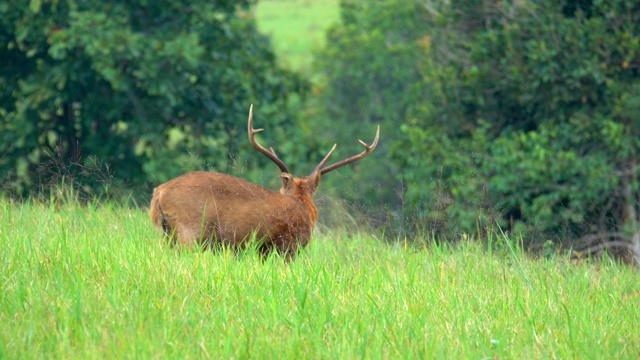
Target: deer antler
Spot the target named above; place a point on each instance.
(321, 164)
(367, 149)
(269, 153)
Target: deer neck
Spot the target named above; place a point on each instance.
(307, 200)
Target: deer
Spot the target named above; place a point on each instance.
(203, 208)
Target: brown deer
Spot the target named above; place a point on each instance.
(199, 208)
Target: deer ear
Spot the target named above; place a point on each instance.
(315, 180)
(287, 183)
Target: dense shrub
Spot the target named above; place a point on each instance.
(522, 114)
(102, 93)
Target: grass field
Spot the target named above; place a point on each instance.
(296, 28)
(97, 282)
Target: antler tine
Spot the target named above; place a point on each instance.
(321, 164)
(269, 153)
(367, 149)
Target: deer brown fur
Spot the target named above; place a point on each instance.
(200, 207)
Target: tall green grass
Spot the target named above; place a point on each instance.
(96, 281)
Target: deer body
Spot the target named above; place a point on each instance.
(203, 207)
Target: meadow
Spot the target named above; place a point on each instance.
(296, 28)
(96, 281)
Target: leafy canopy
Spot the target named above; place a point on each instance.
(107, 92)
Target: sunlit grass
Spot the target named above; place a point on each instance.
(296, 28)
(96, 281)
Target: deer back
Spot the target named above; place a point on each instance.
(203, 205)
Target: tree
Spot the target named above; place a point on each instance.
(537, 125)
(522, 114)
(137, 93)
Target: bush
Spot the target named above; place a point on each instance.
(102, 93)
(521, 114)
(539, 128)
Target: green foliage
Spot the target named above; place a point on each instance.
(96, 281)
(523, 114)
(536, 124)
(368, 76)
(136, 93)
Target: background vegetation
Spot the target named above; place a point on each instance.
(125, 96)
(522, 114)
(519, 114)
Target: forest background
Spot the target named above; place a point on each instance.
(522, 116)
